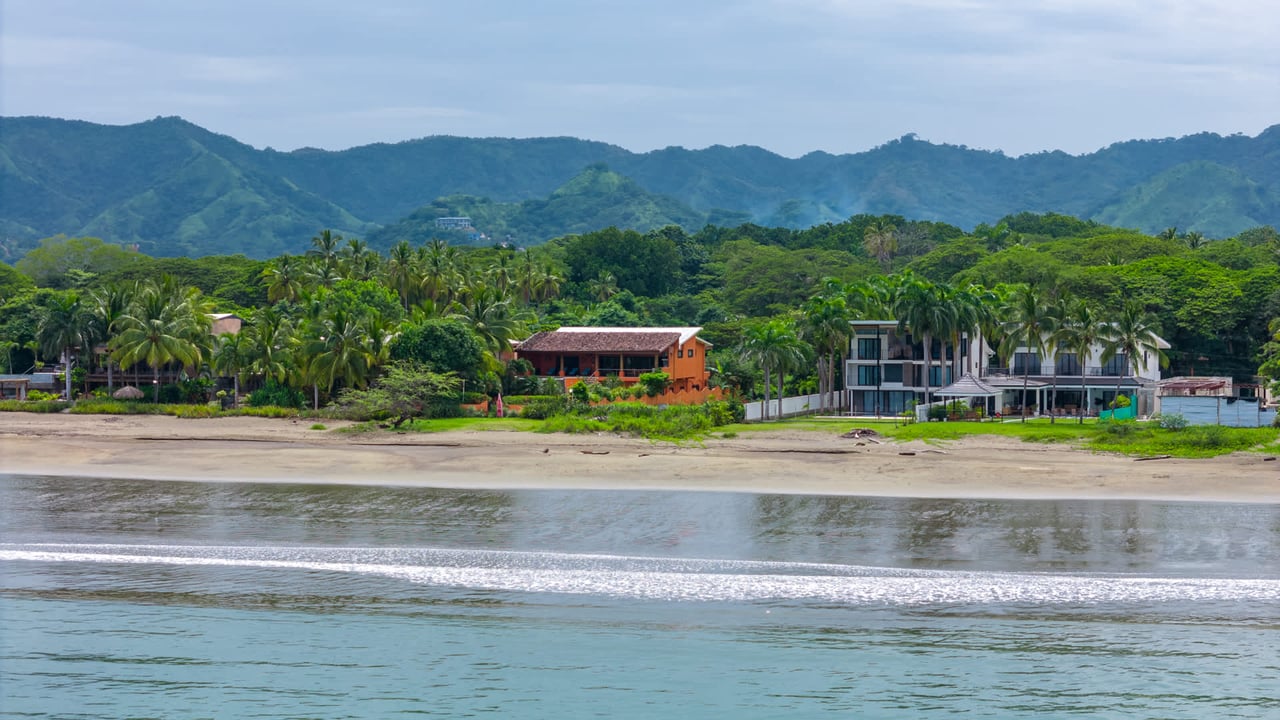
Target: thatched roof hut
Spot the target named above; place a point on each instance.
(128, 392)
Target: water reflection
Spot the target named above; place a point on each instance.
(1099, 536)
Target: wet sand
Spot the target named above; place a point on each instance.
(770, 460)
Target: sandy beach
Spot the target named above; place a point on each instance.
(273, 450)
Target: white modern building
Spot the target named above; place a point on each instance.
(887, 370)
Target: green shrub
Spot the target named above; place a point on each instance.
(544, 407)
(725, 412)
(474, 398)
(318, 426)
(42, 396)
(268, 411)
(192, 411)
(1119, 428)
(33, 406)
(1172, 421)
(526, 399)
(273, 393)
(654, 383)
(937, 412)
(108, 406)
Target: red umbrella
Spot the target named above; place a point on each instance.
(499, 404)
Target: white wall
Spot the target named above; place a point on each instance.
(798, 405)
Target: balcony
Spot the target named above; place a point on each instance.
(1113, 371)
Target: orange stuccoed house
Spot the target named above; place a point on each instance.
(579, 353)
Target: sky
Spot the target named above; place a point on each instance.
(791, 76)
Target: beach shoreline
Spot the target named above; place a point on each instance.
(248, 449)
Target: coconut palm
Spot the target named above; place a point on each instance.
(826, 327)
(163, 326)
(603, 286)
(492, 316)
(270, 344)
(920, 310)
(325, 247)
(284, 278)
(1057, 316)
(880, 238)
(441, 271)
(1080, 333)
(338, 351)
(1133, 334)
(64, 325)
(1026, 325)
(232, 357)
(774, 345)
(108, 305)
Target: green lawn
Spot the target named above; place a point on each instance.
(1129, 438)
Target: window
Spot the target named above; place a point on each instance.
(868, 375)
(680, 353)
(868, 348)
(893, 373)
(1068, 364)
(1025, 363)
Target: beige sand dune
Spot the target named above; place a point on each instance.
(259, 449)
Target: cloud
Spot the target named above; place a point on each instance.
(789, 75)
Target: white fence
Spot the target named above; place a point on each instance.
(798, 405)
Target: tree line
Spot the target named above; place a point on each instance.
(774, 302)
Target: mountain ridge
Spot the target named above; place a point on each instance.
(151, 183)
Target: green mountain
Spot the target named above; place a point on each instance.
(597, 198)
(1201, 196)
(175, 188)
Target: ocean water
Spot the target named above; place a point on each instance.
(123, 599)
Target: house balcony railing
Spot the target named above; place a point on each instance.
(1072, 371)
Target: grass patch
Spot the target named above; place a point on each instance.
(1031, 431)
(318, 426)
(1193, 442)
(32, 406)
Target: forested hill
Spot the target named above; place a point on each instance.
(177, 189)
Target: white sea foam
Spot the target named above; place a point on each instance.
(672, 579)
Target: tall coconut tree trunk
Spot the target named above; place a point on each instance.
(764, 409)
(66, 371)
(1053, 403)
(928, 366)
(1084, 397)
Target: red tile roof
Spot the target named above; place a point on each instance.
(640, 341)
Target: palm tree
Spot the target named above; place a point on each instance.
(1026, 325)
(1057, 316)
(880, 239)
(64, 325)
(325, 247)
(1079, 334)
(1168, 233)
(232, 357)
(1133, 334)
(402, 272)
(774, 345)
(284, 278)
(826, 327)
(603, 287)
(492, 317)
(162, 327)
(919, 310)
(271, 341)
(338, 352)
(1194, 240)
(109, 304)
(441, 271)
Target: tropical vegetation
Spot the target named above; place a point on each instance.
(775, 304)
